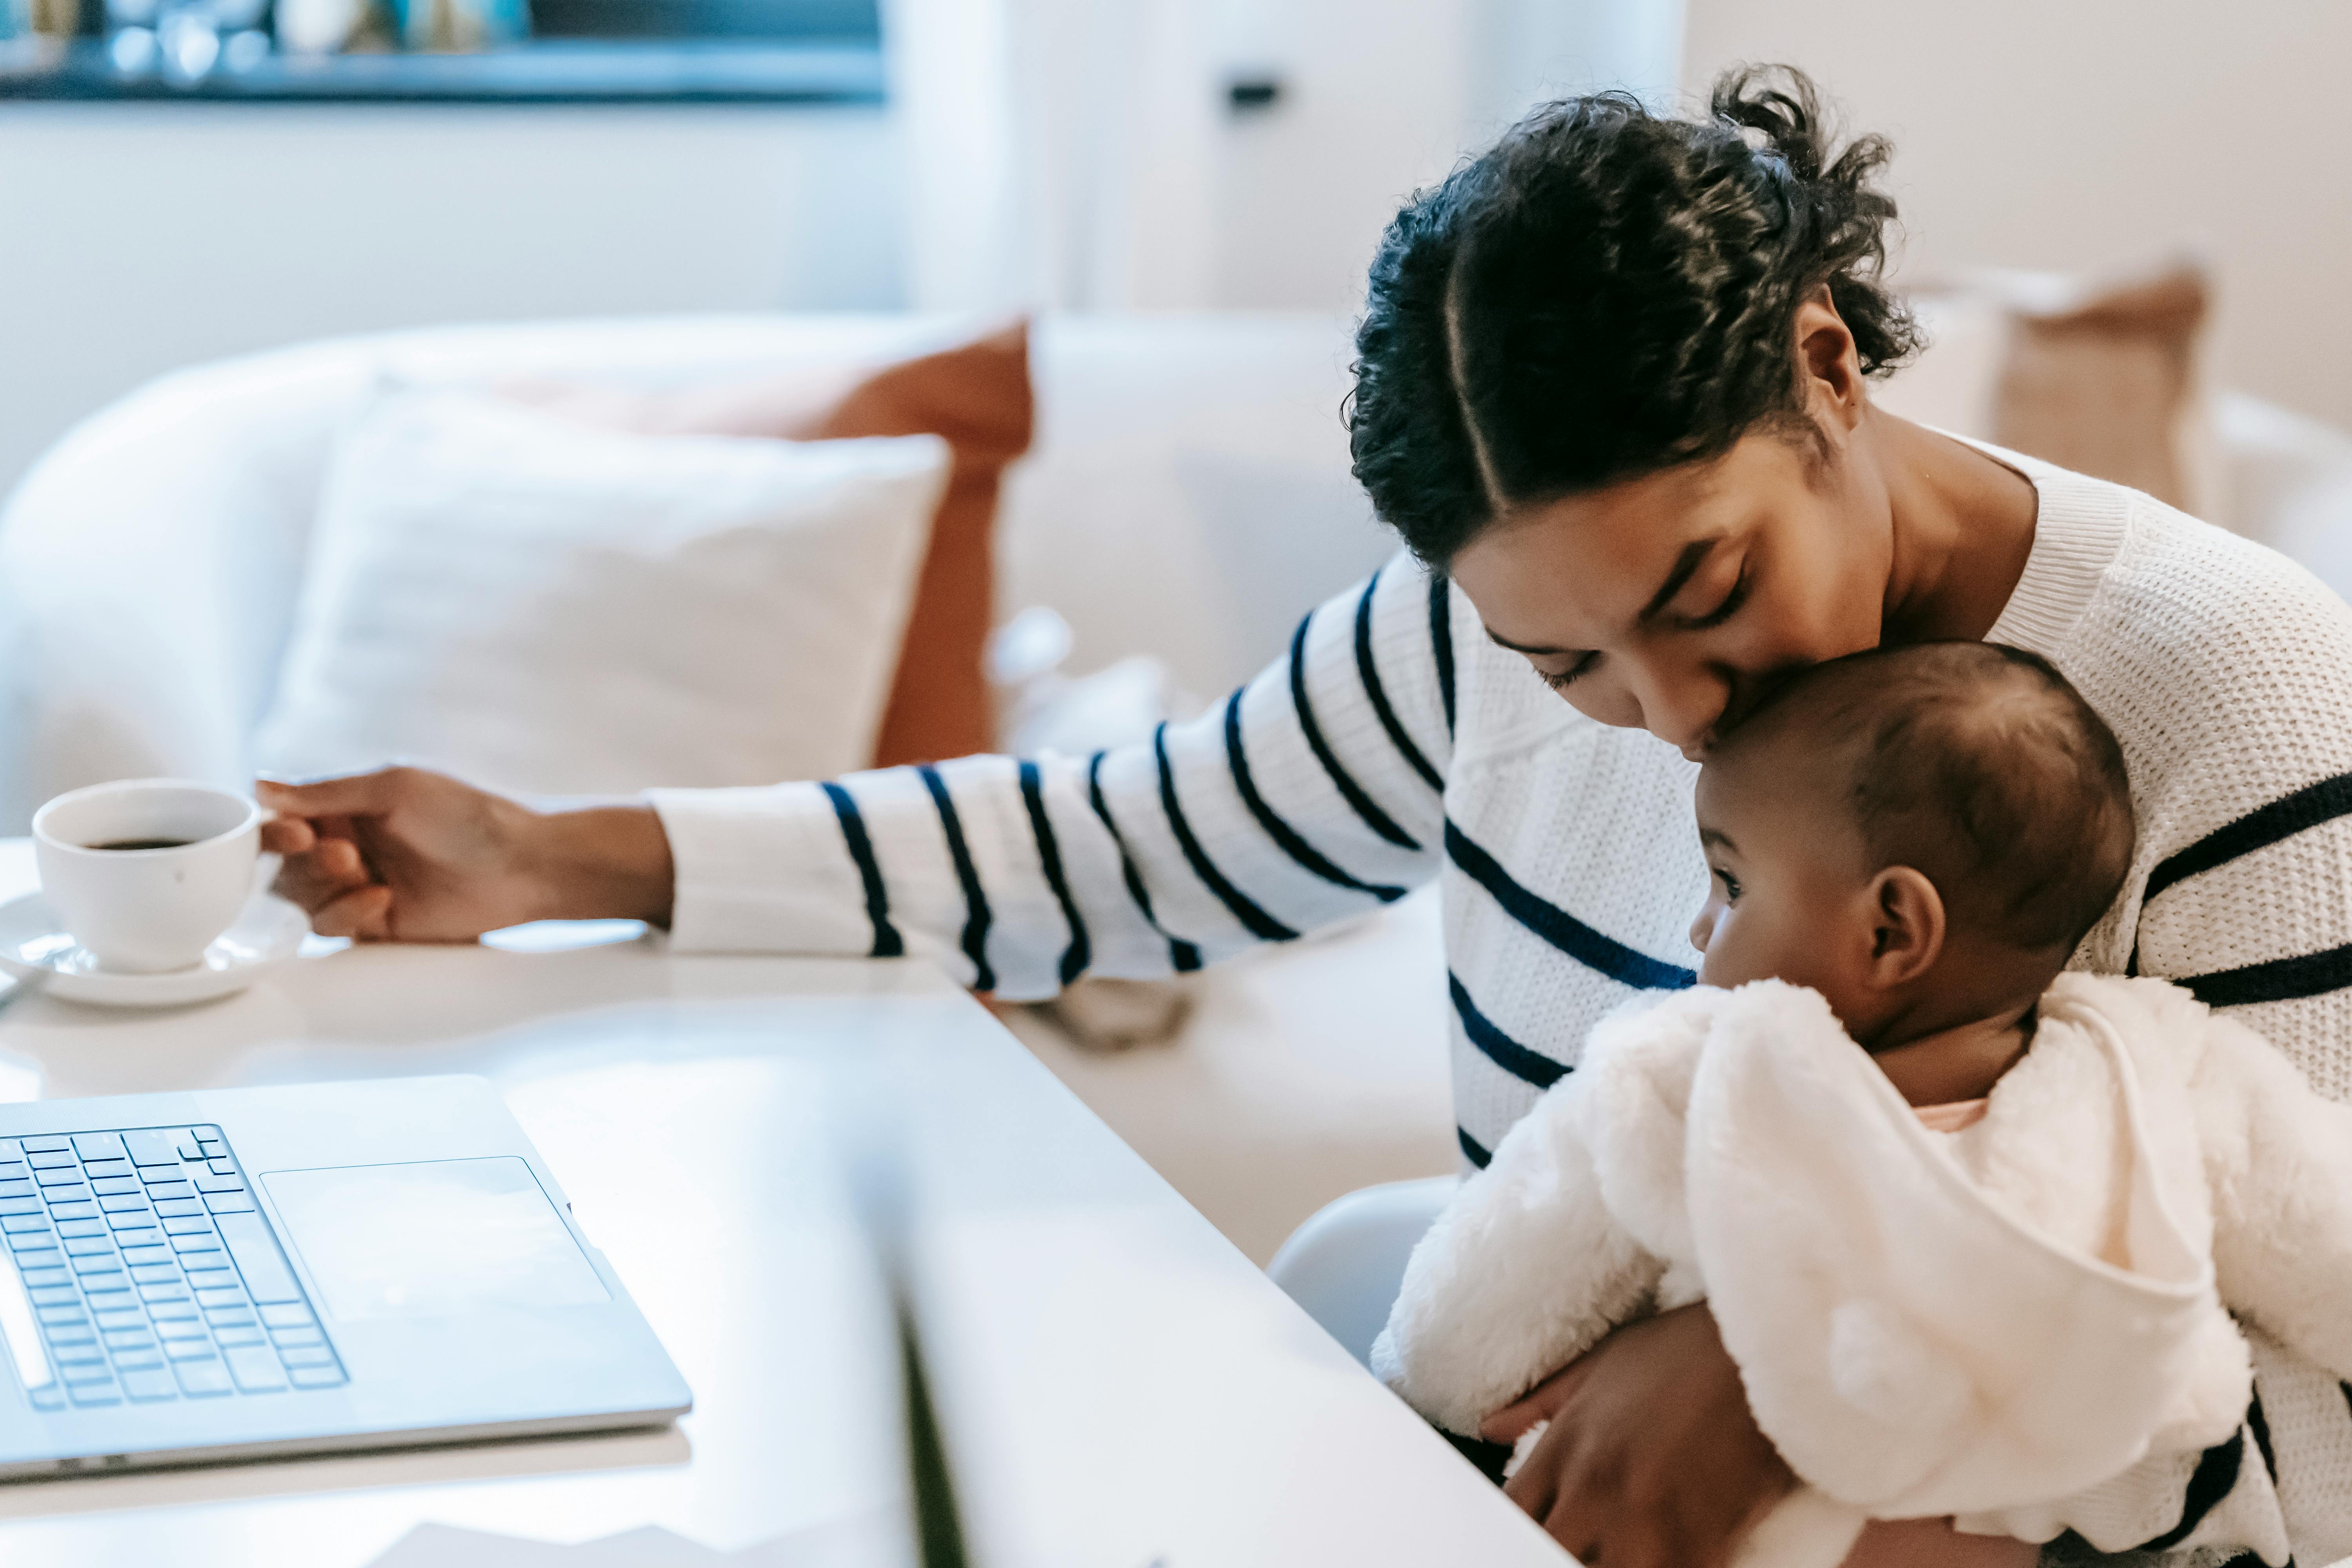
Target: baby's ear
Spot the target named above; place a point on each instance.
(1906, 926)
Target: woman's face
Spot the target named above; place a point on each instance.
(1667, 602)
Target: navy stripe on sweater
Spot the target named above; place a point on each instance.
(1472, 1151)
(975, 899)
(1368, 672)
(1281, 832)
(2279, 980)
(1559, 928)
(1504, 1052)
(1352, 792)
(888, 943)
(1244, 908)
(2215, 1476)
(1181, 956)
(1075, 956)
(1441, 639)
(2283, 818)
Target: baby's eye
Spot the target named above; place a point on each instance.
(1730, 887)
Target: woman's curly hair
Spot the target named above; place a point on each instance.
(1605, 293)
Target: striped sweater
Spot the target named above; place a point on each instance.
(1394, 743)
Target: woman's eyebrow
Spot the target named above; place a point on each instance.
(1688, 561)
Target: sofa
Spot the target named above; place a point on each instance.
(1187, 498)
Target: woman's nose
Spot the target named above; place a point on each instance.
(1682, 707)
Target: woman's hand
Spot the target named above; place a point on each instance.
(404, 854)
(1652, 1460)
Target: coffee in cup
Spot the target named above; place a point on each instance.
(145, 873)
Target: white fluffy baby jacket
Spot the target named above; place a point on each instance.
(1990, 1324)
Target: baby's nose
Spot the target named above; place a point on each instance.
(1701, 930)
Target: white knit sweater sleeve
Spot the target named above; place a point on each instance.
(1310, 794)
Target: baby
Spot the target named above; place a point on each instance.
(1972, 1228)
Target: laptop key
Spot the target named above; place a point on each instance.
(115, 1186)
(199, 1379)
(287, 1315)
(211, 1184)
(228, 1203)
(53, 1295)
(123, 1203)
(247, 1335)
(82, 1208)
(174, 1189)
(97, 1168)
(136, 1230)
(35, 1277)
(120, 1317)
(256, 1251)
(178, 1308)
(153, 1146)
(12, 1222)
(98, 1145)
(72, 1229)
(225, 1297)
(315, 1376)
(90, 1245)
(178, 1208)
(88, 1372)
(149, 1382)
(54, 1160)
(205, 1277)
(52, 1397)
(153, 1274)
(99, 1395)
(44, 1144)
(19, 1198)
(308, 1355)
(188, 1349)
(284, 1338)
(255, 1368)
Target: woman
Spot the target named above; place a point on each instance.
(1611, 391)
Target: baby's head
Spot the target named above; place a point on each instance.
(1922, 834)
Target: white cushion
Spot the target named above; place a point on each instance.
(554, 609)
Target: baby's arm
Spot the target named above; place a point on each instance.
(1524, 1271)
(2279, 1160)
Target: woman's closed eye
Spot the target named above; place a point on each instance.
(1561, 680)
(1728, 607)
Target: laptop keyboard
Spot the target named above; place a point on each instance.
(142, 1271)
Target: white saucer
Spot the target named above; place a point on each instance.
(35, 948)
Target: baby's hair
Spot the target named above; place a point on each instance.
(1982, 767)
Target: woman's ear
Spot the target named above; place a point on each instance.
(1828, 362)
(1906, 926)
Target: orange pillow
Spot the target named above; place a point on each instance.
(977, 396)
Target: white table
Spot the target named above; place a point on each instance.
(1120, 1385)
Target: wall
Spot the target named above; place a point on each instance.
(2099, 133)
(141, 238)
(1380, 97)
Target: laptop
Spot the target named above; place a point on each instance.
(247, 1273)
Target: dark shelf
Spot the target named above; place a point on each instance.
(548, 71)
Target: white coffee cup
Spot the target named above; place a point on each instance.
(148, 910)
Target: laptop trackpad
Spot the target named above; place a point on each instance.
(437, 1238)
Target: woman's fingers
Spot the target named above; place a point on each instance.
(364, 915)
(332, 869)
(287, 835)
(355, 795)
(1540, 1403)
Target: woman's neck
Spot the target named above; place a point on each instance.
(1963, 527)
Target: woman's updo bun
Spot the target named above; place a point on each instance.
(1605, 293)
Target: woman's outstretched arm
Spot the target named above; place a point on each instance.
(1310, 794)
